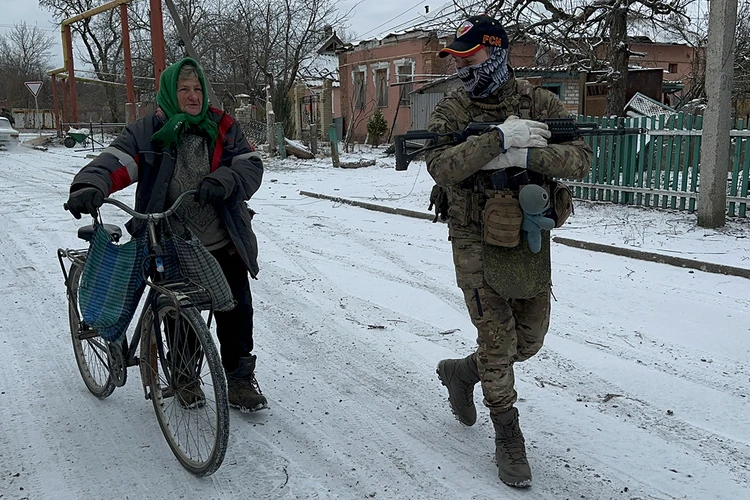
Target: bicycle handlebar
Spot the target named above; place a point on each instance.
(138, 215)
(158, 215)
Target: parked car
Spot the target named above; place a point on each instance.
(8, 135)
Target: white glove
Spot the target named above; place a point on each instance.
(518, 133)
(513, 157)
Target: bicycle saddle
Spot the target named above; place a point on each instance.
(87, 232)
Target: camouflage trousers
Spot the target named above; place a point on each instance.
(509, 330)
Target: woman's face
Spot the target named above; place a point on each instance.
(190, 96)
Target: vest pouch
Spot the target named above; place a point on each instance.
(518, 273)
(562, 200)
(502, 219)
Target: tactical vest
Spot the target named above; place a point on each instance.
(515, 271)
(521, 103)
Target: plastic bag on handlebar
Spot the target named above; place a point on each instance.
(112, 283)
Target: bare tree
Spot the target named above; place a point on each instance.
(357, 114)
(24, 56)
(741, 87)
(591, 35)
(102, 44)
(243, 45)
(196, 17)
(594, 34)
(270, 38)
(694, 31)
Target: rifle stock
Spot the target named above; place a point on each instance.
(562, 129)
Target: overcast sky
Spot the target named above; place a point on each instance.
(368, 18)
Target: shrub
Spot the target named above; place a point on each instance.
(376, 127)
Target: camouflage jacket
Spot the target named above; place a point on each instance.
(451, 166)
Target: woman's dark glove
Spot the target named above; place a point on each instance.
(210, 191)
(86, 200)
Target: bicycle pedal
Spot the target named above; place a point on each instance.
(117, 369)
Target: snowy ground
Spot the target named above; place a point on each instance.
(641, 390)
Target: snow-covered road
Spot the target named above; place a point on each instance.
(640, 392)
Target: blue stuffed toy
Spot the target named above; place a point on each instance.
(534, 201)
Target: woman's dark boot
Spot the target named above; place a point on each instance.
(244, 391)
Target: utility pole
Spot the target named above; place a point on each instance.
(717, 120)
(190, 49)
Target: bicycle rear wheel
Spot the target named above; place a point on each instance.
(182, 369)
(89, 348)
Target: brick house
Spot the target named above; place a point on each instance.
(381, 73)
(675, 59)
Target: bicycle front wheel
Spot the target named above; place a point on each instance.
(89, 348)
(182, 369)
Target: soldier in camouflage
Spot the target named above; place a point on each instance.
(506, 288)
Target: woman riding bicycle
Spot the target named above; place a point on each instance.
(183, 145)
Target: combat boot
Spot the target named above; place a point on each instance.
(510, 450)
(243, 390)
(460, 376)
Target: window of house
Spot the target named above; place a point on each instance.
(555, 88)
(381, 85)
(673, 67)
(360, 89)
(405, 79)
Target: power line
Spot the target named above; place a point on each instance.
(425, 21)
(445, 7)
(393, 18)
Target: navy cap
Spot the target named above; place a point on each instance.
(475, 33)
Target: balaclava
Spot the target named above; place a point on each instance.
(484, 78)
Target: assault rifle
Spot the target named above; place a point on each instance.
(563, 130)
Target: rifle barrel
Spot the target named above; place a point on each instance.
(613, 131)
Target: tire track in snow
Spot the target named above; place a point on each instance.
(66, 431)
(436, 399)
(558, 374)
(400, 270)
(357, 357)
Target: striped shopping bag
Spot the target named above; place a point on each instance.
(112, 284)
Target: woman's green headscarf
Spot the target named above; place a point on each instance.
(177, 120)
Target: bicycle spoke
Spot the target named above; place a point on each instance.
(90, 351)
(182, 385)
(96, 350)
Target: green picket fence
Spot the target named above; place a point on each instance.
(662, 168)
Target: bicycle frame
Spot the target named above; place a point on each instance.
(177, 291)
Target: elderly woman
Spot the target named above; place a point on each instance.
(186, 145)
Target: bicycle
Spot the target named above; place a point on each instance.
(180, 367)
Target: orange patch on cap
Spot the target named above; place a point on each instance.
(492, 40)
